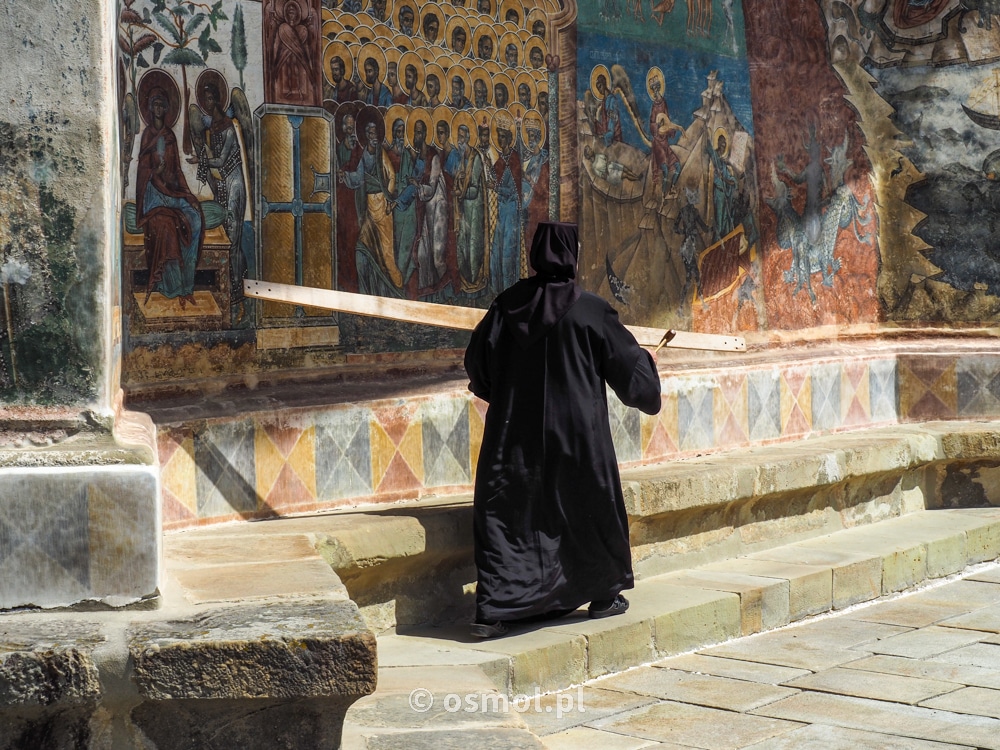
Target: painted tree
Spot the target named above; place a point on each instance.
(177, 25)
(238, 43)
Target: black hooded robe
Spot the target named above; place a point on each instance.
(550, 527)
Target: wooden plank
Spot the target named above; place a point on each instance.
(452, 316)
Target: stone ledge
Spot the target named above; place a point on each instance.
(286, 650)
(411, 563)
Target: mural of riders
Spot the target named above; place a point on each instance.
(441, 164)
(668, 172)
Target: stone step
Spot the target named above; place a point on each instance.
(683, 610)
(438, 687)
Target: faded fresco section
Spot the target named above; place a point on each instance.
(924, 76)
(668, 170)
(820, 221)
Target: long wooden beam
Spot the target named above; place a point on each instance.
(453, 316)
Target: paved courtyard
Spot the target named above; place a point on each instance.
(917, 672)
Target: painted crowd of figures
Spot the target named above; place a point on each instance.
(441, 164)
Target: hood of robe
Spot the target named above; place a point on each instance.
(533, 306)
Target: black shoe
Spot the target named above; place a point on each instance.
(616, 606)
(496, 629)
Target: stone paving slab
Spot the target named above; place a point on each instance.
(926, 642)
(887, 718)
(785, 650)
(696, 726)
(582, 737)
(457, 739)
(986, 619)
(979, 655)
(556, 712)
(988, 576)
(961, 674)
(701, 690)
(821, 737)
(970, 700)
(735, 669)
(876, 685)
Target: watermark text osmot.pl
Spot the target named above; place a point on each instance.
(423, 700)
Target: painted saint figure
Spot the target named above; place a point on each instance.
(166, 210)
(290, 55)
(609, 113)
(724, 186)
(505, 255)
(220, 165)
(374, 181)
(432, 216)
(470, 193)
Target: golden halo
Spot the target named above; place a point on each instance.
(484, 30)
(502, 79)
(458, 22)
(481, 74)
(483, 17)
(721, 133)
(492, 67)
(393, 113)
(418, 114)
(506, 27)
(371, 51)
(532, 120)
(511, 5)
(541, 77)
(461, 72)
(410, 58)
(655, 74)
(159, 79)
(526, 79)
(428, 54)
(348, 37)
(326, 15)
(463, 117)
(533, 43)
(398, 8)
(599, 70)
(435, 69)
(444, 114)
(535, 15)
(331, 28)
(370, 14)
(403, 42)
(427, 11)
(513, 40)
(350, 21)
(337, 49)
(365, 33)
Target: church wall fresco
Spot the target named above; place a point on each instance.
(668, 175)
(747, 167)
(924, 77)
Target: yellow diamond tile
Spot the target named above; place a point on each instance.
(476, 429)
(411, 448)
(179, 475)
(268, 461)
(302, 459)
(383, 450)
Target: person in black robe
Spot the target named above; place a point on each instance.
(550, 527)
